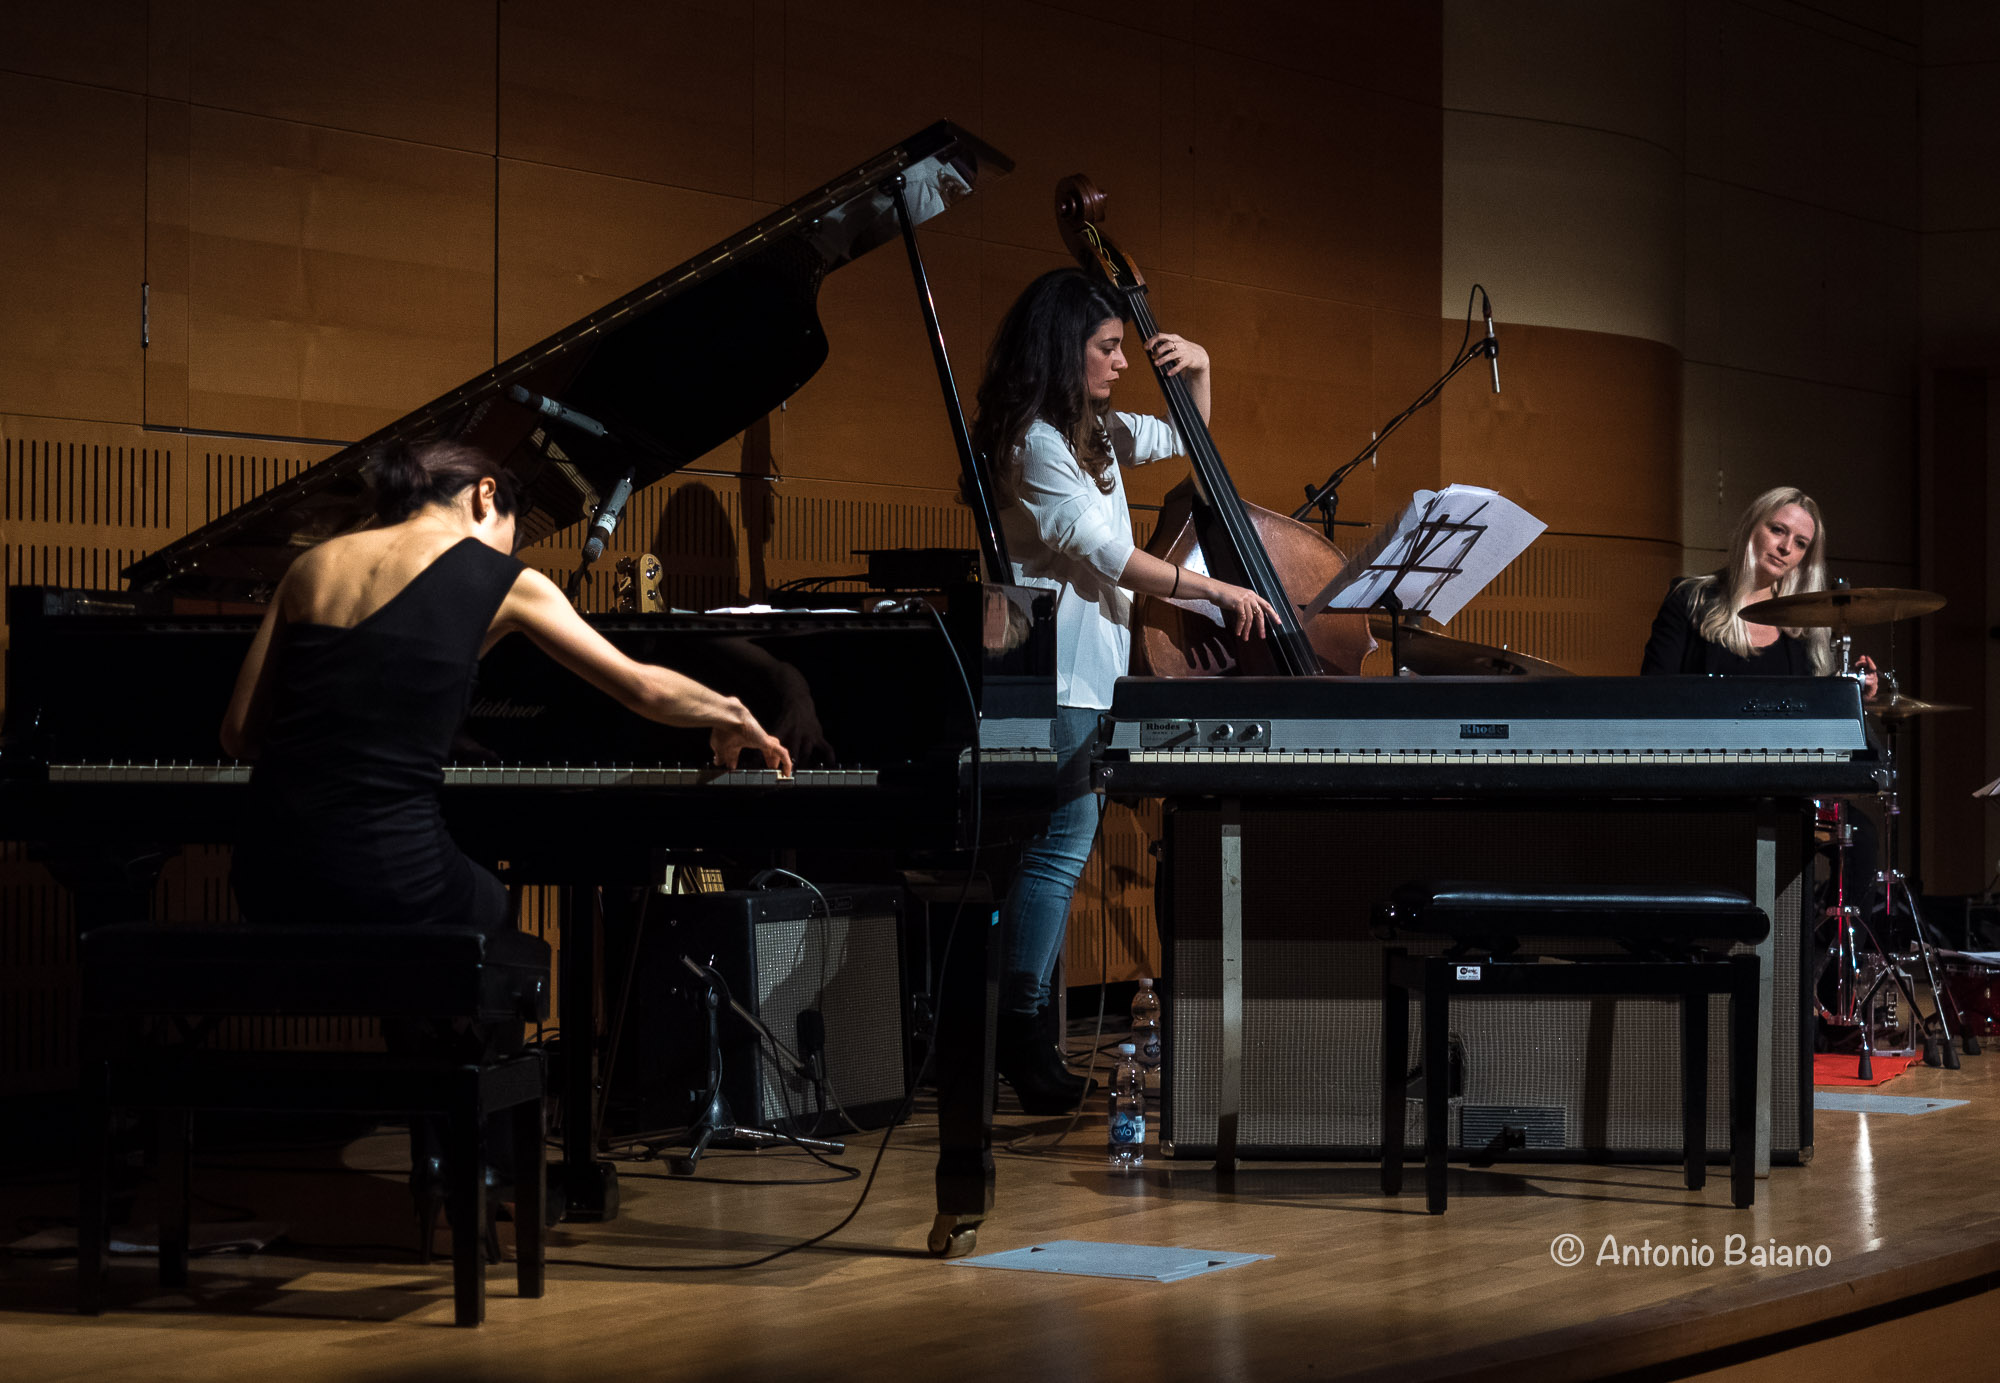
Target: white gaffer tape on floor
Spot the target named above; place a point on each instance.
(1858, 1103)
(1140, 1262)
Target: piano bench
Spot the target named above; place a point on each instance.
(143, 979)
(1674, 941)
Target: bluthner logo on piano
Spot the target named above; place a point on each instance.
(488, 708)
(1482, 732)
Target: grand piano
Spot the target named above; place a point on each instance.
(928, 749)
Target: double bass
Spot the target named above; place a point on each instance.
(1206, 526)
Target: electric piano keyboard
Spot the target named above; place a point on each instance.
(1601, 736)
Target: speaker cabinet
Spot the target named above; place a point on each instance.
(1595, 1079)
(785, 953)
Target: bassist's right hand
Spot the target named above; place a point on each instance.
(1248, 615)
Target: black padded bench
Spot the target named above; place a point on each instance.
(151, 975)
(1673, 942)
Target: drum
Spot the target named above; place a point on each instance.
(1973, 985)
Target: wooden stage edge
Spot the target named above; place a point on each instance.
(1357, 1286)
(1724, 1325)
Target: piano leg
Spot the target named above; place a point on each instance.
(968, 1006)
(590, 1185)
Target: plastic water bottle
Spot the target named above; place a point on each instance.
(1146, 1027)
(1128, 1113)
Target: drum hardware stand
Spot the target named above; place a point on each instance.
(1893, 883)
(1857, 1009)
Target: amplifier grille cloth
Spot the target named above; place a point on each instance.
(846, 967)
(1312, 974)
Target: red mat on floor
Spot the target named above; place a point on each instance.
(1837, 1068)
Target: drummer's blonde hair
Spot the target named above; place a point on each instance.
(1719, 597)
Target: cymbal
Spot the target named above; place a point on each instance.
(1906, 707)
(1431, 654)
(1843, 607)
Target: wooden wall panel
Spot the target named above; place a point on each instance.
(98, 44)
(1038, 64)
(169, 218)
(1293, 385)
(569, 242)
(1389, 49)
(661, 92)
(72, 182)
(420, 72)
(1585, 434)
(1820, 114)
(862, 74)
(874, 413)
(1854, 451)
(1285, 183)
(336, 280)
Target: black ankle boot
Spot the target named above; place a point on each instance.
(1028, 1063)
(1048, 1025)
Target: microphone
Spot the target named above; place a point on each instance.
(607, 518)
(583, 422)
(1492, 341)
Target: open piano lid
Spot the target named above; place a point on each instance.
(673, 369)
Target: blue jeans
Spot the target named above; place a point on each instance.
(1036, 912)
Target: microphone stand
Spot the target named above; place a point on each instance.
(1324, 496)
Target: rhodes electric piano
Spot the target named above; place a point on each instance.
(1295, 805)
(114, 698)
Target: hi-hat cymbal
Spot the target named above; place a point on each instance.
(1432, 654)
(1844, 607)
(1905, 707)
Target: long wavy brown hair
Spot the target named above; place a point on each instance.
(1035, 372)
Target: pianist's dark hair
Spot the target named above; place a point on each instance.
(405, 478)
(1035, 371)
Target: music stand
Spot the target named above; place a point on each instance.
(1442, 550)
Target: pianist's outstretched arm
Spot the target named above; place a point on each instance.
(538, 609)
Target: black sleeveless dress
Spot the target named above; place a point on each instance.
(344, 823)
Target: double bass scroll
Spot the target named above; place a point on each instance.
(1207, 526)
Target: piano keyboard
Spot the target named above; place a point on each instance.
(1559, 758)
(494, 775)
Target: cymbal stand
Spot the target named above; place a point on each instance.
(1894, 884)
(1860, 965)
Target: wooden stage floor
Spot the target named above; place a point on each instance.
(1359, 1286)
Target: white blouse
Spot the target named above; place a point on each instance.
(1065, 534)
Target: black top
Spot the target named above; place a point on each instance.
(344, 823)
(1676, 645)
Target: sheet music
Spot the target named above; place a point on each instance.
(1441, 551)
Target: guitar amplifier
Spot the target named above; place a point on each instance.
(1582, 1078)
(806, 963)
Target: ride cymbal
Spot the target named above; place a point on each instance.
(1907, 707)
(1843, 607)
(1430, 654)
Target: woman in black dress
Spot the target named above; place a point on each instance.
(360, 675)
(348, 701)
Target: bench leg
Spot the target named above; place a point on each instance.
(1395, 1071)
(1437, 1085)
(531, 1180)
(1694, 1088)
(467, 1203)
(1744, 1024)
(92, 1194)
(176, 1194)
